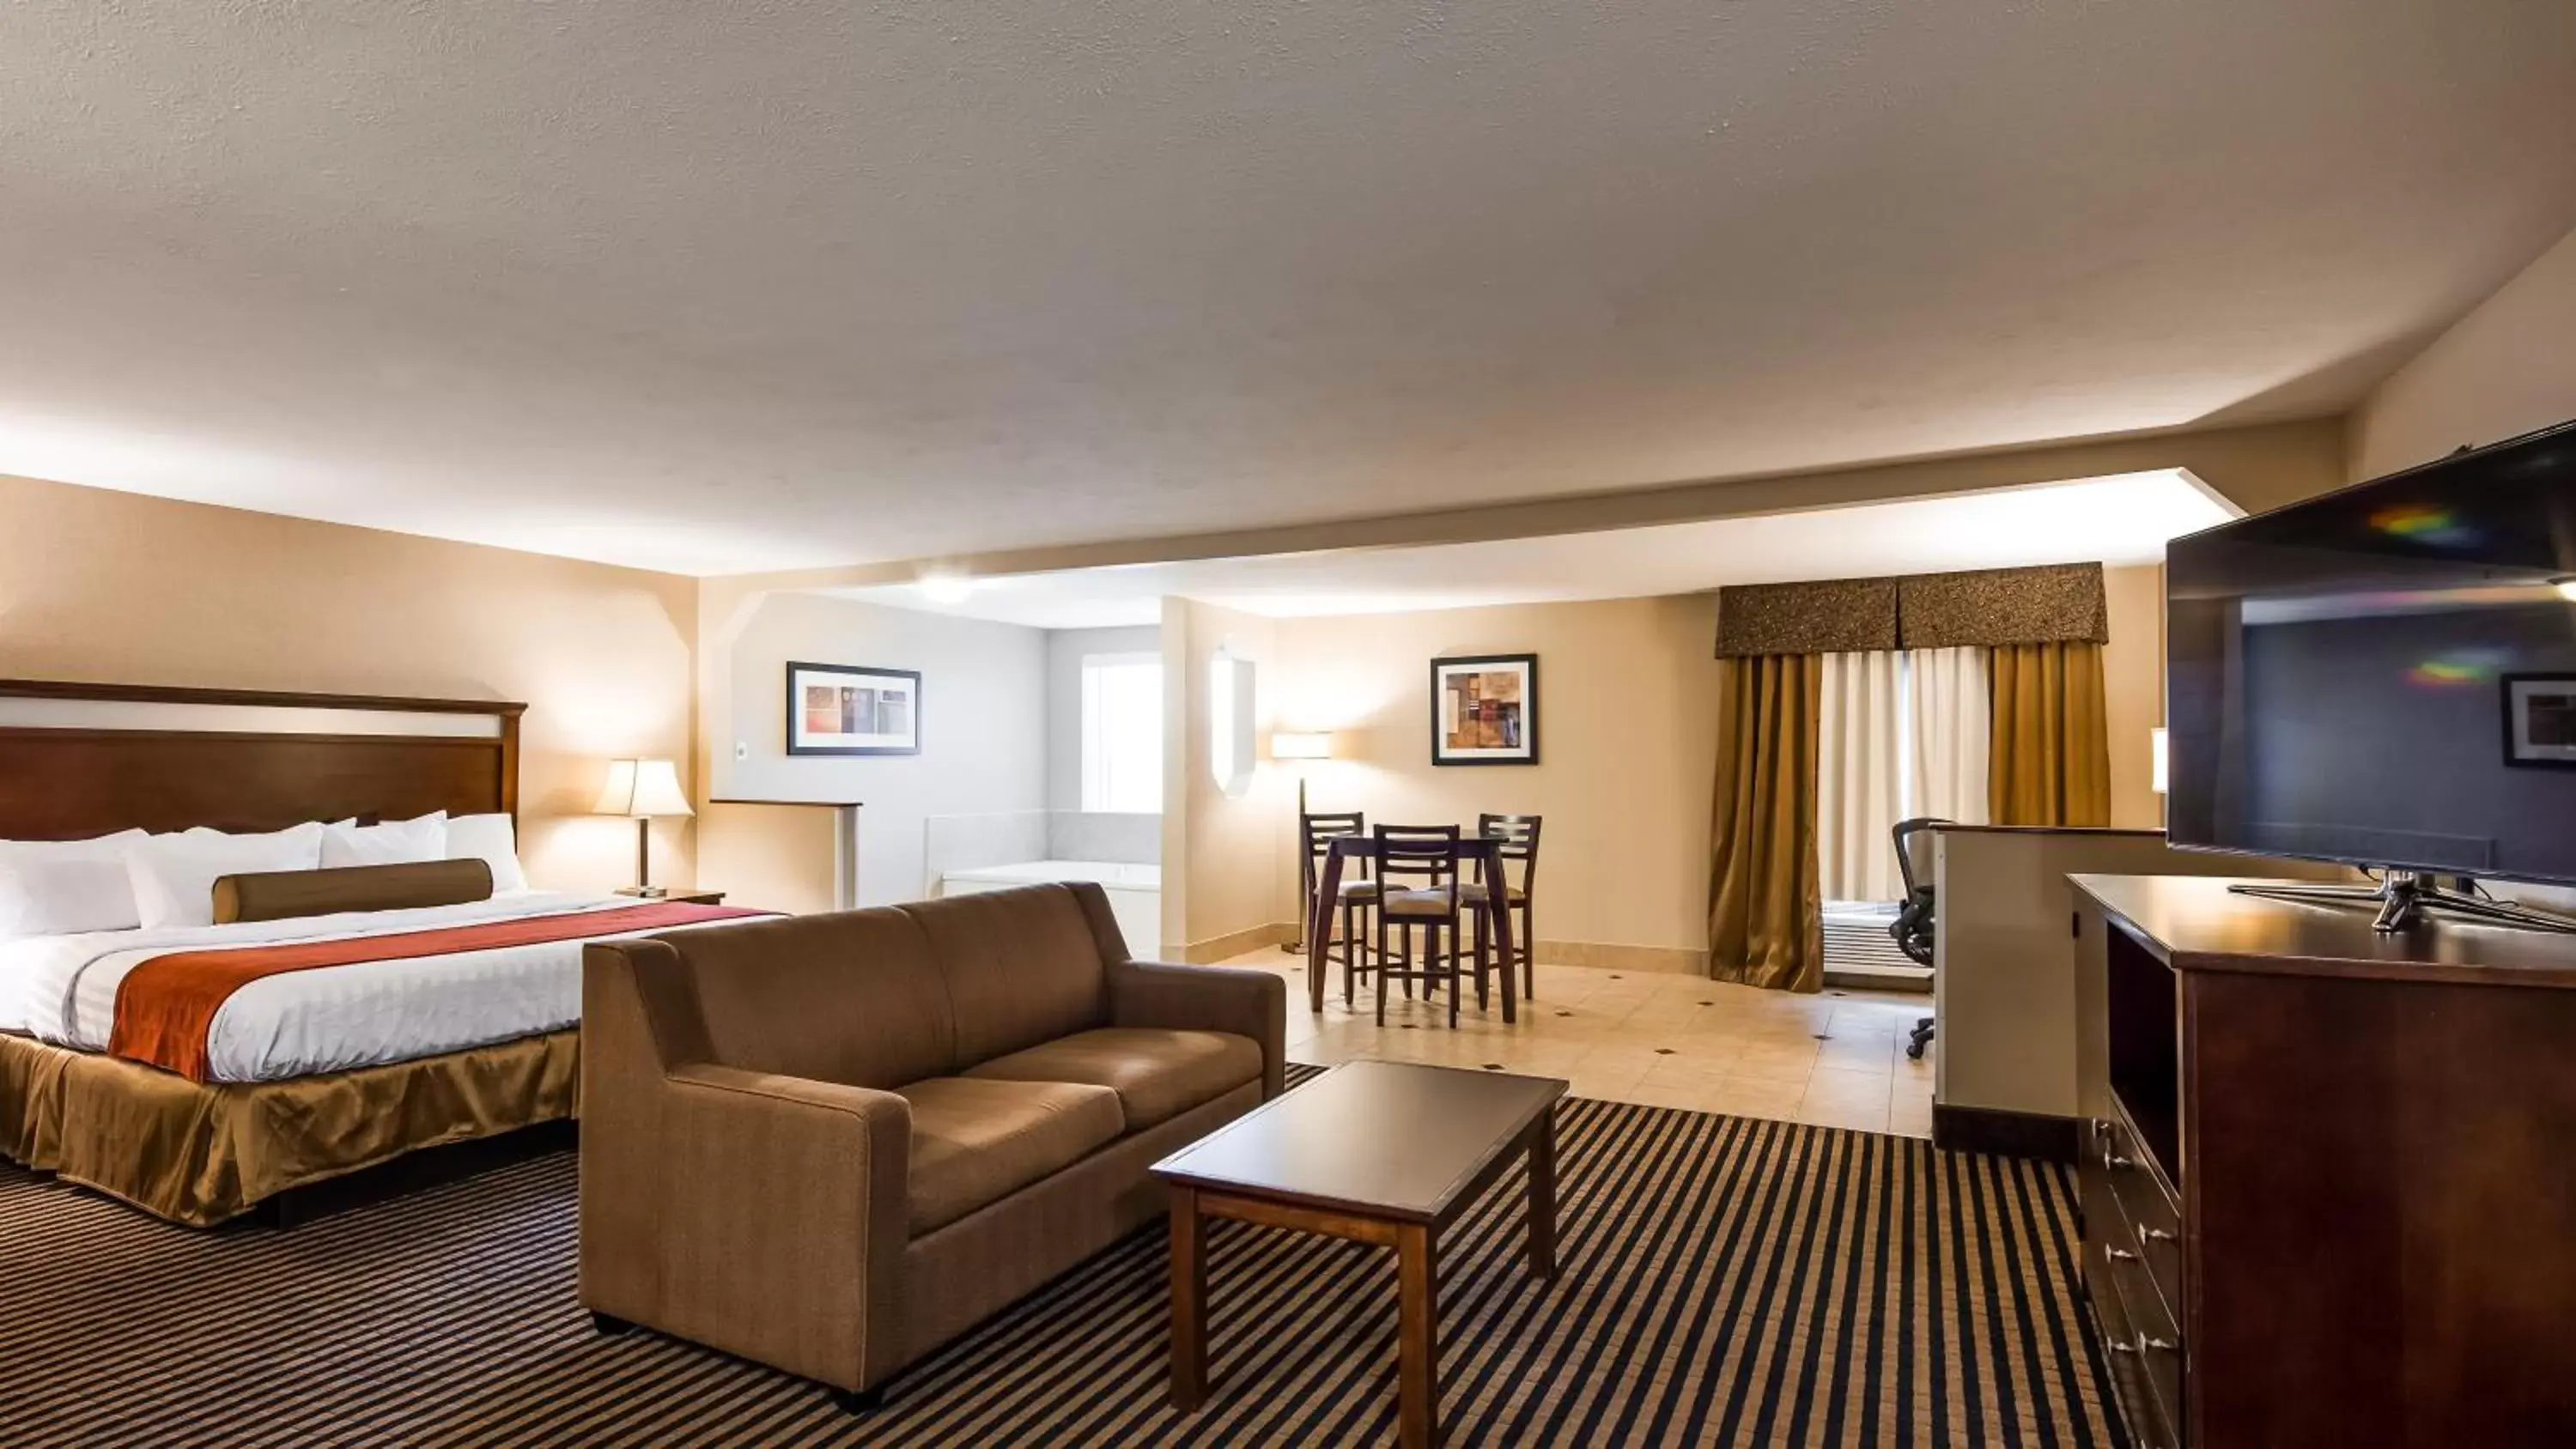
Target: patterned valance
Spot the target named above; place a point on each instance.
(1985, 607)
(2053, 605)
(1819, 618)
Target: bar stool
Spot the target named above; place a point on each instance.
(1358, 897)
(1426, 856)
(1519, 837)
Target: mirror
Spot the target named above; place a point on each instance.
(1231, 749)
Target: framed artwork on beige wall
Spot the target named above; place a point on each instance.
(1484, 710)
(835, 709)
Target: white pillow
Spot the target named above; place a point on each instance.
(492, 840)
(396, 842)
(174, 875)
(65, 887)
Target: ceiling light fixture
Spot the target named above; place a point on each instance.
(947, 588)
(2566, 588)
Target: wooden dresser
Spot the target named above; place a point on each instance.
(2329, 1177)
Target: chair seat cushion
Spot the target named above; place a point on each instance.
(978, 1140)
(1156, 1074)
(1419, 903)
(1473, 891)
(1359, 890)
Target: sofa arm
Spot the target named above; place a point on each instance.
(784, 1220)
(1207, 998)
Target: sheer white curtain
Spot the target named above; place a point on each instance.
(1860, 764)
(1949, 718)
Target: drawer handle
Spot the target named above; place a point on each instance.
(2116, 1346)
(2114, 1160)
(2161, 1345)
(2121, 1255)
(2156, 1235)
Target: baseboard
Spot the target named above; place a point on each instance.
(1613, 956)
(2005, 1134)
(1235, 943)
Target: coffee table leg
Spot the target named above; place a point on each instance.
(1189, 1301)
(1417, 1339)
(1542, 1197)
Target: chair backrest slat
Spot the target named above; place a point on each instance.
(1427, 853)
(1519, 837)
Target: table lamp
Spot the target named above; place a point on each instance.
(644, 789)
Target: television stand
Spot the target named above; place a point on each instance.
(2403, 896)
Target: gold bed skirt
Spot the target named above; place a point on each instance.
(199, 1154)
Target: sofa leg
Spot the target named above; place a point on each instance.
(859, 1401)
(610, 1327)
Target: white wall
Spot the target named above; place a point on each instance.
(1065, 651)
(1071, 834)
(983, 723)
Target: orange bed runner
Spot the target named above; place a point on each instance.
(165, 1005)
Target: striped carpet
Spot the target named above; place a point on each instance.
(1724, 1281)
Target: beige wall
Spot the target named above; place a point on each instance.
(2004, 972)
(1221, 854)
(1627, 699)
(2503, 370)
(2133, 690)
(121, 588)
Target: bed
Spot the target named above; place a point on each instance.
(325, 1044)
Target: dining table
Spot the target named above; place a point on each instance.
(1485, 850)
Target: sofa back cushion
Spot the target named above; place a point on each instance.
(1022, 966)
(854, 997)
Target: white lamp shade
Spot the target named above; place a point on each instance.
(1301, 745)
(642, 788)
(2157, 738)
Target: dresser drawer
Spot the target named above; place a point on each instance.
(2154, 1345)
(2153, 1224)
(2148, 1424)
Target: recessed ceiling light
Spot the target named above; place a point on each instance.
(947, 588)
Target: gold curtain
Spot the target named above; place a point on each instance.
(2049, 760)
(1766, 908)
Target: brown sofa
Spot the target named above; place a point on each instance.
(832, 1143)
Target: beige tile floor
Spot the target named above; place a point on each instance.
(1836, 1059)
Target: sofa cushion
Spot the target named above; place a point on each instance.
(978, 1140)
(1157, 1074)
(1022, 967)
(853, 997)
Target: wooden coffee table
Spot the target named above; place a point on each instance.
(1380, 1152)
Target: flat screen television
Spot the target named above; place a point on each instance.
(2385, 676)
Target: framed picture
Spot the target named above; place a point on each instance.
(2540, 720)
(836, 709)
(1484, 710)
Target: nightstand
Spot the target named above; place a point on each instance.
(684, 896)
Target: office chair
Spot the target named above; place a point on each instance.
(1913, 925)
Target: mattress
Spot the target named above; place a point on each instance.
(62, 989)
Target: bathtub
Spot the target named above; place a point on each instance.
(1135, 892)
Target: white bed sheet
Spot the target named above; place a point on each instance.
(62, 989)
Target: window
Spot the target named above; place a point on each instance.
(1122, 733)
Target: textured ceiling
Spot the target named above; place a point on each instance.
(792, 282)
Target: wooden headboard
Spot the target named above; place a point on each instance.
(79, 760)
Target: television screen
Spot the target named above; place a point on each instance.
(2386, 675)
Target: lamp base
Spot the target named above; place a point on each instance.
(648, 893)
